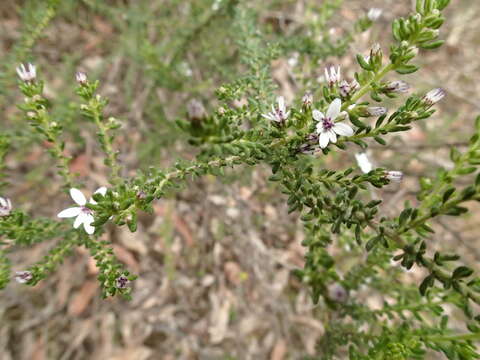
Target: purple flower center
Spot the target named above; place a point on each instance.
(327, 123)
(86, 210)
(279, 114)
(122, 282)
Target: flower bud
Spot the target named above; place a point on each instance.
(396, 176)
(307, 100)
(196, 111)
(345, 88)
(27, 72)
(332, 75)
(433, 96)
(376, 110)
(337, 293)
(397, 86)
(23, 277)
(81, 78)
(5, 206)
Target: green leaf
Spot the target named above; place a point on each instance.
(380, 140)
(432, 45)
(406, 69)
(363, 64)
(426, 283)
(462, 272)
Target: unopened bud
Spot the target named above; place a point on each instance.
(398, 86)
(5, 206)
(23, 276)
(376, 110)
(307, 99)
(434, 96)
(81, 78)
(394, 176)
(196, 111)
(337, 293)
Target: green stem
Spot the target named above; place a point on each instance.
(368, 86)
(106, 144)
(460, 337)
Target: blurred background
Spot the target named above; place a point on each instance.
(215, 260)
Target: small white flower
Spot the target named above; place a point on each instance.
(278, 114)
(293, 60)
(82, 214)
(434, 96)
(397, 86)
(376, 110)
(327, 128)
(81, 78)
(394, 176)
(332, 75)
(27, 72)
(363, 162)
(121, 282)
(23, 276)
(307, 99)
(345, 88)
(374, 13)
(5, 206)
(337, 293)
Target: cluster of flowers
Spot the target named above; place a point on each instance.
(329, 126)
(82, 214)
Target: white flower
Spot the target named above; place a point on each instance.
(397, 86)
(363, 162)
(337, 292)
(327, 128)
(332, 75)
(5, 206)
(83, 214)
(278, 114)
(434, 96)
(394, 176)
(23, 276)
(27, 72)
(374, 13)
(81, 78)
(121, 282)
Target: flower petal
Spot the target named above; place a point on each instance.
(89, 229)
(70, 212)
(363, 162)
(78, 196)
(318, 115)
(79, 220)
(334, 109)
(333, 136)
(101, 190)
(323, 139)
(343, 129)
(281, 103)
